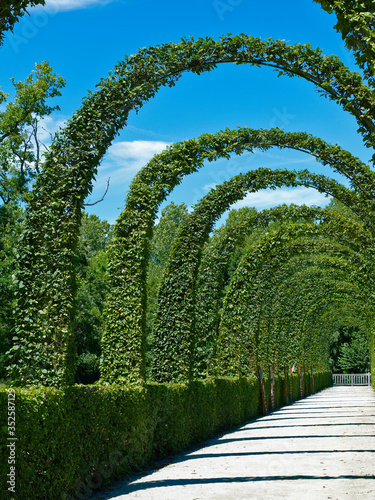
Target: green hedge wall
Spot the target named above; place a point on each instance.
(372, 359)
(72, 441)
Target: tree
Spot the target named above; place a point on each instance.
(354, 355)
(11, 12)
(21, 149)
(91, 293)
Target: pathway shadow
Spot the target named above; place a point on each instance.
(147, 485)
(266, 438)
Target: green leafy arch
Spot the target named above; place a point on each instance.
(238, 297)
(213, 265)
(44, 351)
(173, 336)
(277, 284)
(336, 303)
(288, 314)
(124, 339)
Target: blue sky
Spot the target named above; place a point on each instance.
(83, 40)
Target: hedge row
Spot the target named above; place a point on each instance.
(72, 441)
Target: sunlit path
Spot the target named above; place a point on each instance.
(321, 447)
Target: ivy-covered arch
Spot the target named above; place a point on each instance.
(173, 336)
(214, 262)
(342, 311)
(275, 284)
(275, 331)
(238, 298)
(44, 351)
(289, 312)
(124, 340)
(280, 293)
(288, 342)
(311, 327)
(174, 333)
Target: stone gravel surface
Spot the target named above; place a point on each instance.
(321, 447)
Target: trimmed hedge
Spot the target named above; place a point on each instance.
(72, 441)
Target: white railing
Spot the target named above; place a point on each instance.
(351, 378)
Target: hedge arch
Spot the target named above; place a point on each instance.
(173, 334)
(214, 263)
(304, 343)
(213, 267)
(340, 292)
(44, 350)
(123, 343)
(335, 315)
(280, 301)
(238, 299)
(290, 314)
(287, 313)
(174, 337)
(287, 286)
(290, 345)
(363, 317)
(354, 269)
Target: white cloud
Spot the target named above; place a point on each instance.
(269, 198)
(125, 159)
(64, 5)
(208, 187)
(48, 126)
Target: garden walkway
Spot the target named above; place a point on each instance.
(321, 447)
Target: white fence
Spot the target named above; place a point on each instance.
(351, 378)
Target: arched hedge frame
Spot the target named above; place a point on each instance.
(283, 344)
(213, 267)
(123, 343)
(238, 299)
(274, 290)
(364, 316)
(290, 312)
(214, 262)
(44, 349)
(173, 337)
(279, 298)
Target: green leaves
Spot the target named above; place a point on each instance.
(10, 13)
(49, 240)
(20, 149)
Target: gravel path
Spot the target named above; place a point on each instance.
(322, 447)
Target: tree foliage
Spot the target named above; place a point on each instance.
(354, 356)
(11, 12)
(92, 288)
(21, 148)
(356, 24)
